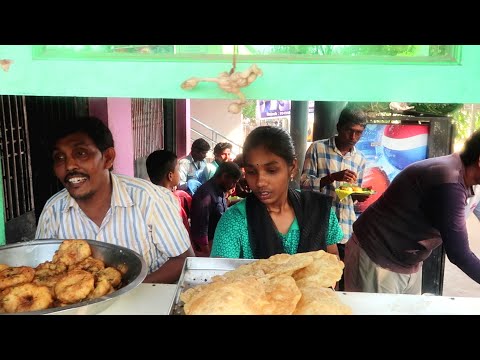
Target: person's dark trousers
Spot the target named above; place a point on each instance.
(341, 253)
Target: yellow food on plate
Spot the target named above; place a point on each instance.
(346, 188)
(351, 188)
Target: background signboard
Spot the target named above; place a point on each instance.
(389, 148)
(276, 108)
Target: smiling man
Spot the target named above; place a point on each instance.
(99, 205)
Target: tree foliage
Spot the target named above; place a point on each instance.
(436, 109)
(385, 50)
(303, 49)
(466, 120)
(249, 110)
(357, 50)
(370, 107)
(349, 50)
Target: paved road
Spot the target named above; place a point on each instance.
(456, 283)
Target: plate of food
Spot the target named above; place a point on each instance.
(55, 276)
(347, 189)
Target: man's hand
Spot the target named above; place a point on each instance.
(170, 271)
(345, 175)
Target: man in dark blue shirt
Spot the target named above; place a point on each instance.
(208, 205)
(422, 208)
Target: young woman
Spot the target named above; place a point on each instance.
(273, 218)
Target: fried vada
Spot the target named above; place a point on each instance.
(12, 276)
(72, 251)
(26, 297)
(74, 286)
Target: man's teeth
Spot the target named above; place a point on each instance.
(76, 180)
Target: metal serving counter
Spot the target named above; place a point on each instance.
(145, 299)
(156, 299)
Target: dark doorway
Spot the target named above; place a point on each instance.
(45, 113)
(16, 169)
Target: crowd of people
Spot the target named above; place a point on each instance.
(246, 207)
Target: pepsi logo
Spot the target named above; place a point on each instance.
(405, 144)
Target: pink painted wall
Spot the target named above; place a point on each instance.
(183, 127)
(120, 124)
(116, 113)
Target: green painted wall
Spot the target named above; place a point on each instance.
(456, 82)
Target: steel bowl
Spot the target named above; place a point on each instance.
(32, 253)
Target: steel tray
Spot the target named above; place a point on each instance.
(200, 270)
(32, 253)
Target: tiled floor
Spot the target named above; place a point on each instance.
(456, 283)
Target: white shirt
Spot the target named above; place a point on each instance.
(189, 169)
(142, 217)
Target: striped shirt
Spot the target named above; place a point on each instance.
(322, 159)
(143, 217)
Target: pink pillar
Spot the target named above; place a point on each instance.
(182, 111)
(120, 124)
(116, 113)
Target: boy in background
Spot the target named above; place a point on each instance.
(163, 170)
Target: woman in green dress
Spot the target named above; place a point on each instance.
(274, 218)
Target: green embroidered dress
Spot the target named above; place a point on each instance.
(231, 236)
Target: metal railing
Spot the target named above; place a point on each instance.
(15, 157)
(213, 137)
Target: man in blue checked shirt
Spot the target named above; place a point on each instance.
(330, 162)
(99, 205)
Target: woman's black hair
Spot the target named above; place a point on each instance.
(274, 139)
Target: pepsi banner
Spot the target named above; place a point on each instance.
(389, 149)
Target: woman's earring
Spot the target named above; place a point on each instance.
(291, 177)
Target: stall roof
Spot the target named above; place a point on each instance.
(36, 71)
